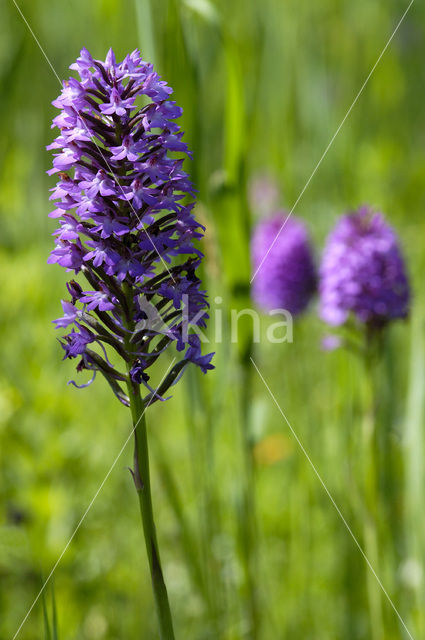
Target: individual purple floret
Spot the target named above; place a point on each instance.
(125, 210)
(286, 278)
(362, 272)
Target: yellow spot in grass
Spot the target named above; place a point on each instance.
(272, 449)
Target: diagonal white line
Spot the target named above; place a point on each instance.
(319, 477)
(37, 41)
(93, 139)
(89, 506)
(332, 140)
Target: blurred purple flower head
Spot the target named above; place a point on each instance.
(363, 272)
(287, 278)
(263, 194)
(331, 342)
(126, 223)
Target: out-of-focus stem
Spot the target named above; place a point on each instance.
(186, 534)
(371, 487)
(201, 444)
(248, 526)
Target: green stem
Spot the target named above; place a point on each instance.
(371, 473)
(248, 525)
(142, 482)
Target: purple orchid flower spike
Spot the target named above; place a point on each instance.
(126, 223)
(122, 210)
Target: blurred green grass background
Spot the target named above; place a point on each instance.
(264, 86)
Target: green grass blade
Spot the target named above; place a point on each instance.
(145, 29)
(55, 634)
(47, 632)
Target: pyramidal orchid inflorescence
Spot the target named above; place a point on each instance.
(286, 277)
(125, 211)
(363, 273)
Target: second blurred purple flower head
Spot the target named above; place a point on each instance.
(363, 272)
(286, 278)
